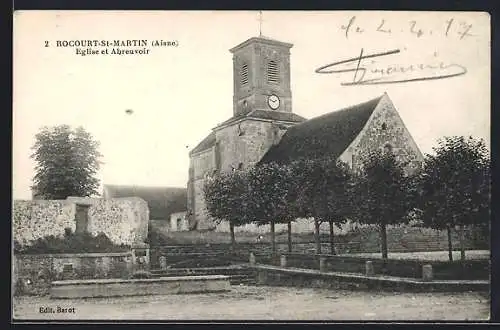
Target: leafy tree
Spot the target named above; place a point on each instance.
(325, 194)
(293, 186)
(455, 186)
(269, 195)
(383, 193)
(340, 202)
(66, 163)
(226, 198)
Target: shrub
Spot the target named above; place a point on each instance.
(156, 238)
(72, 243)
(20, 287)
(67, 232)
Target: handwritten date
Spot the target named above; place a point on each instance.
(449, 28)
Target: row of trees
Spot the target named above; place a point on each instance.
(452, 189)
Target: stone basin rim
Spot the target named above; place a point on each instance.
(187, 278)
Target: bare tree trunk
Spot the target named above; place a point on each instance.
(289, 236)
(316, 236)
(233, 239)
(450, 247)
(332, 243)
(273, 239)
(462, 243)
(383, 240)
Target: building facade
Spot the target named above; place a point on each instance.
(264, 128)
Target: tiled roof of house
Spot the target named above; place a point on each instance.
(329, 134)
(162, 201)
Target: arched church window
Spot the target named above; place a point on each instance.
(384, 126)
(272, 72)
(244, 74)
(240, 166)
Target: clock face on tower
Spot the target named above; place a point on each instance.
(273, 101)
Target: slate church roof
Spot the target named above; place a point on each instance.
(329, 134)
(162, 201)
(209, 141)
(205, 144)
(269, 115)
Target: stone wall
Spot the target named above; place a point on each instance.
(37, 271)
(123, 220)
(300, 226)
(385, 128)
(178, 222)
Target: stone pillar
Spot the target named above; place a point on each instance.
(252, 259)
(283, 261)
(106, 265)
(261, 276)
(140, 256)
(163, 262)
(369, 271)
(427, 274)
(322, 264)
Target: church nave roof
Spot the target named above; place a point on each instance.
(329, 134)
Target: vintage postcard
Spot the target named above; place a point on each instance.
(251, 165)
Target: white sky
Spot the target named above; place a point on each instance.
(178, 94)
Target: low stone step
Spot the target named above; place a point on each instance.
(138, 287)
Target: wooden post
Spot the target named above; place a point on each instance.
(316, 236)
(450, 248)
(332, 242)
(289, 236)
(462, 242)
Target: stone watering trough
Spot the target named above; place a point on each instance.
(136, 287)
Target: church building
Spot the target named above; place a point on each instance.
(264, 128)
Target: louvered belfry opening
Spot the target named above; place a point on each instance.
(272, 72)
(244, 74)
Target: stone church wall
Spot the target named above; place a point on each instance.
(246, 148)
(244, 143)
(123, 220)
(203, 163)
(200, 211)
(385, 128)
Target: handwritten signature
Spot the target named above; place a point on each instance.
(369, 74)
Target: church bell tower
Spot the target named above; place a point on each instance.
(261, 76)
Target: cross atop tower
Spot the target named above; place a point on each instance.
(260, 23)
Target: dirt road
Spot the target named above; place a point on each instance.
(264, 303)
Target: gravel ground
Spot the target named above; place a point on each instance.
(430, 256)
(266, 303)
